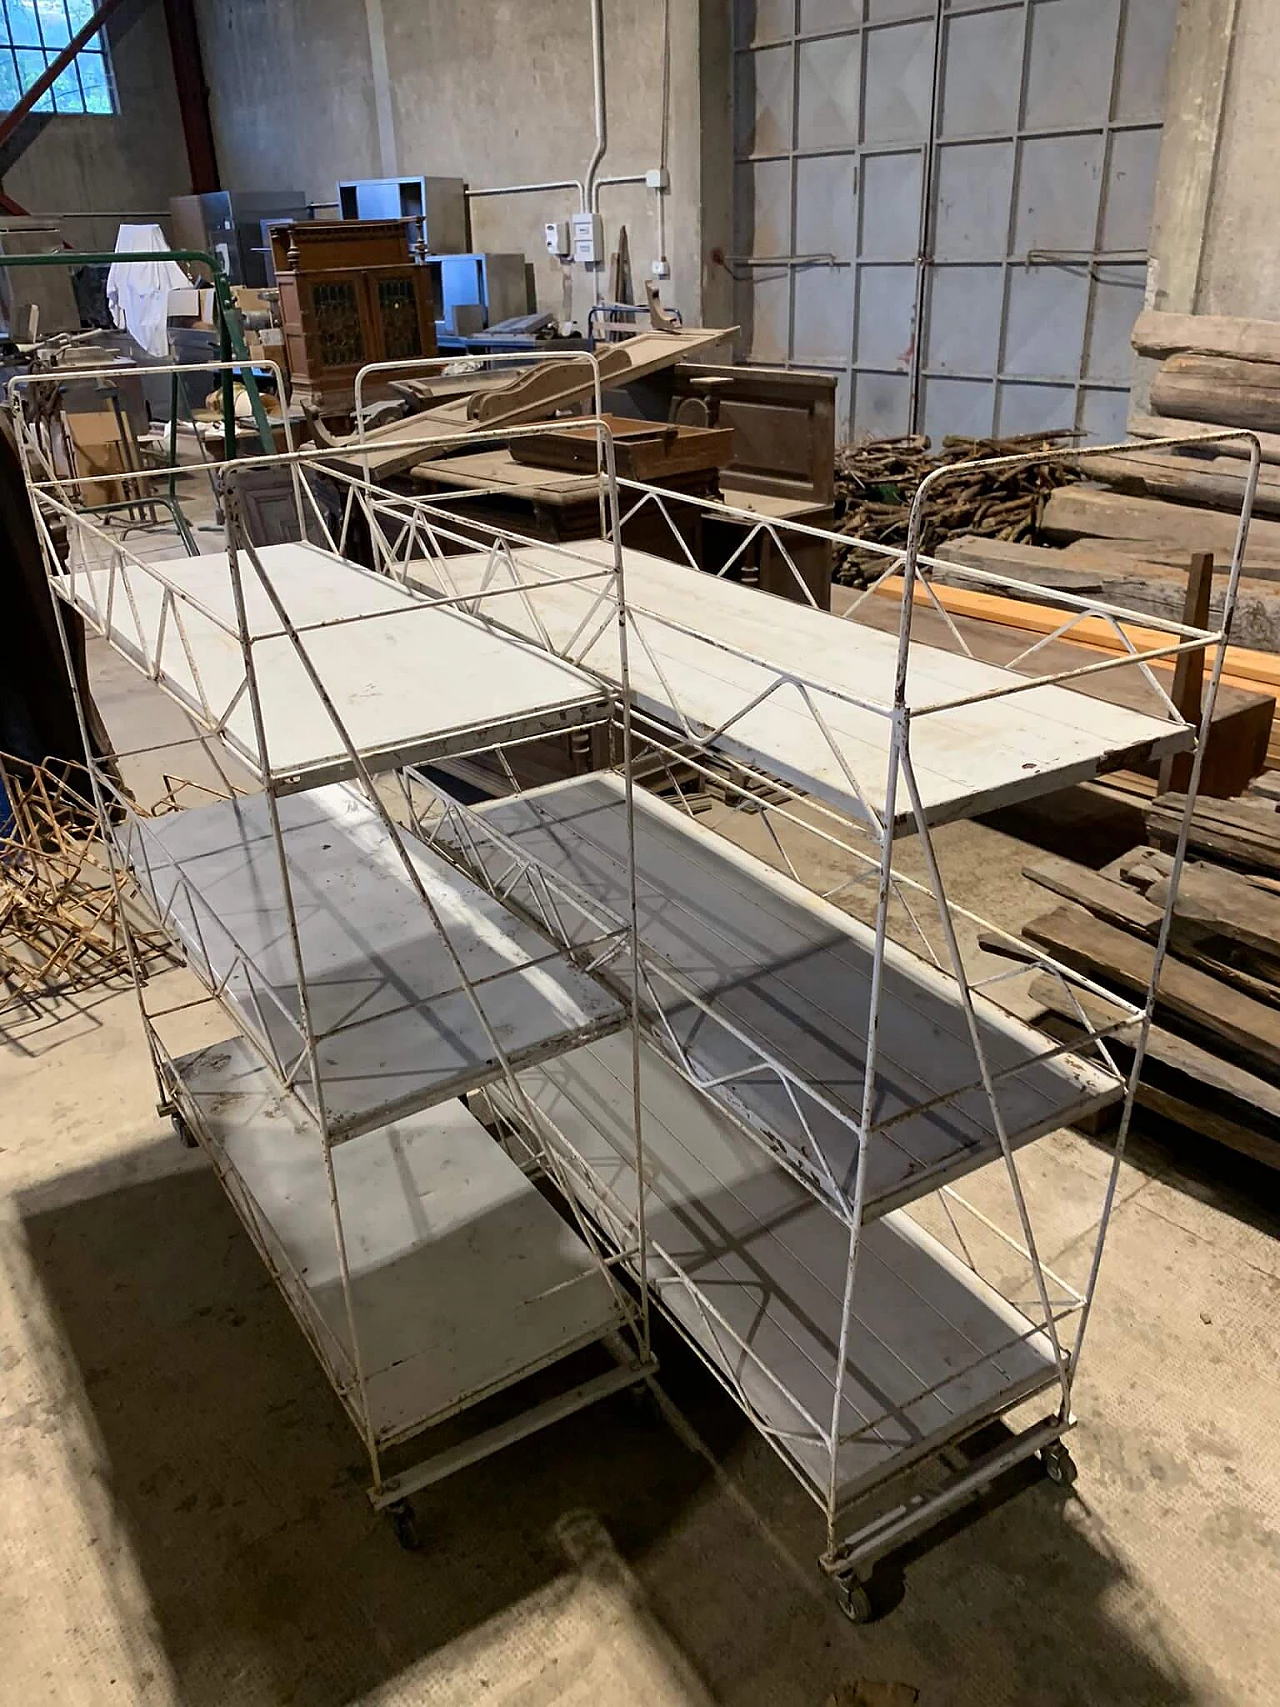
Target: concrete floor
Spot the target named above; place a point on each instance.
(182, 1517)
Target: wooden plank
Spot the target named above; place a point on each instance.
(395, 1029)
(1148, 582)
(1222, 903)
(716, 654)
(932, 1349)
(1170, 427)
(371, 664)
(1071, 512)
(1188, 672)
(1244, 668)
(1266, 786)
(791, 971)
(1243, 712)
(1142, 867)
(464, 1274)
(1236, 847)
(1226, 829)
(1166, 1047)
(1205, 388)
(1107, 899)
(1210, 1123)
(1249, 1028)
(1118, 904)
(1162, 334)
(1260, 817)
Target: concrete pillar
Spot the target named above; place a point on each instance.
(1199, 62)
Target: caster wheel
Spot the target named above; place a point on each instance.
(183, 1133)
(855, 1600)
(1059, 1465)
(405, 1523)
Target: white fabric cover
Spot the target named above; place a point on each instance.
(138, 291)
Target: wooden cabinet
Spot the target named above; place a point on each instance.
(349, 295)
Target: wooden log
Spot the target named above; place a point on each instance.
(1217, 481)
(1249, 1029)
(1161, 334)
(1213, 388)
(1073, 512)
(1170, 427)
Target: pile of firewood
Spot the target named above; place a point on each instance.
(876, 481)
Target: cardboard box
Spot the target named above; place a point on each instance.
(266, 346)
(184, 304)
(250, 300)
(95, 437)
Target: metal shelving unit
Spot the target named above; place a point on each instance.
(813, 1092)
(755, 1106)
(367, 985)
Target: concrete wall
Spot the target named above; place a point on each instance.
(304, 92)
(134, 160)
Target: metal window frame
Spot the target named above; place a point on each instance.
(1079, 382)
(98, 48)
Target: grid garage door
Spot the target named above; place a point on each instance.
(947, 202)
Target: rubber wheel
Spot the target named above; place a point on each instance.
(183, 1133)
(405, 1523)
(1059, 1465)
(855, 1600)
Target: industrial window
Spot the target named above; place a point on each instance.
(32, 35)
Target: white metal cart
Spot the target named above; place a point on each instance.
(752, 1103)
(812, 1092)
(369, 985)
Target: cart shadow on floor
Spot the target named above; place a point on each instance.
(237, 1482)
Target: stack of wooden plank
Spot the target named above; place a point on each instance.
(1213, 1055)
(1216, 374)
(1126, 529)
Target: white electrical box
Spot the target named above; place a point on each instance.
(555, 234)
(588, 238)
